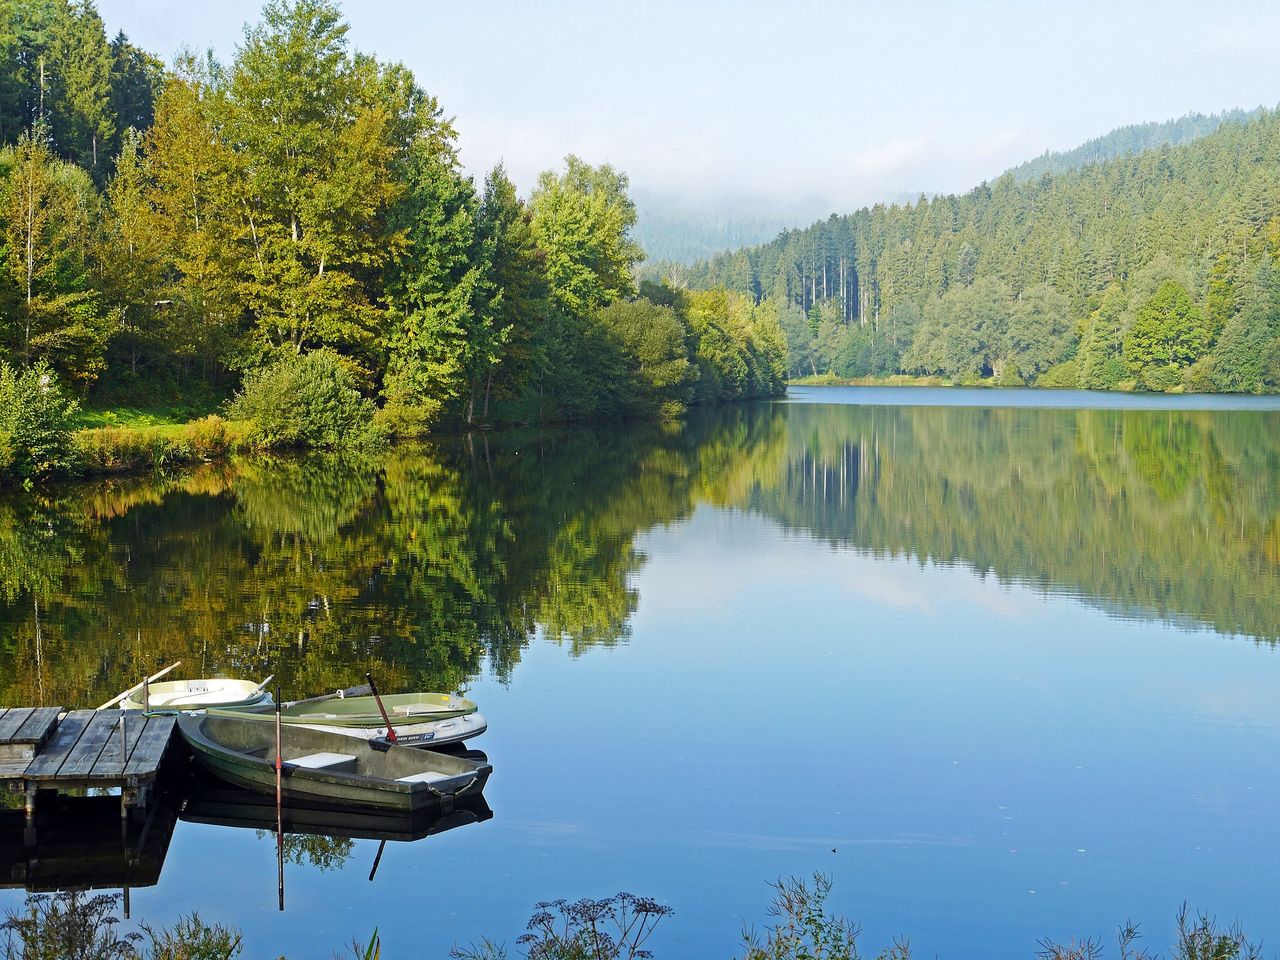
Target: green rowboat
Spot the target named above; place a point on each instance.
(419, 719)
(328, 767)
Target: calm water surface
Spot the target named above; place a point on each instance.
(1004, 673)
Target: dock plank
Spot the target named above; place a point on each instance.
(87, 749)
(54, 754)
(14, 718)
(110, 762)
(146, 757)
(38, 725)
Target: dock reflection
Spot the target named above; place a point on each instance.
(83, 843)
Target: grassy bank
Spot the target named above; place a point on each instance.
(131, 449)
(895, 380)
(907, 380)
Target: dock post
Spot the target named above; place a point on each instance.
(29, 834)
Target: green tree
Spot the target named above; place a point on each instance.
(48, 208)
(1040, 331)
(1169, 331)
(136, 81)
(190, 183)
(78, 105)
(654, 343)
(582, 220)
(314, 182)
(437, 287)
(520, 305)
(134, 260)
(1101, 365)
(1251, 337)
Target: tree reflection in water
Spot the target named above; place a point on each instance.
(426, 564)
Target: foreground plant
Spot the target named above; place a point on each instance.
(1199, 938)
(615, 928)
(804, 931)
(71, 926)
(66, 926)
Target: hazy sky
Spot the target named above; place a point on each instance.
(780, 101)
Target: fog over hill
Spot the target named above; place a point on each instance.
(675, 228)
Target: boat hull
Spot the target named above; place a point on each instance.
(419, 719)
(243, 752)
(201, 694)
(426, 736)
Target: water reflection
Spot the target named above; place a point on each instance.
(82, 843)
(427, 563)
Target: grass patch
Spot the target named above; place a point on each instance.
(892, 380)
(142, 416)
(154, 447)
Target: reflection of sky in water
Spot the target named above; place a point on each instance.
(978, 765)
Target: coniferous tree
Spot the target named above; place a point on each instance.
(78, 105)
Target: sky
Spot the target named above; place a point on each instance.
(778, 104)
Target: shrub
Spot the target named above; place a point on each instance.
(1201, 376)
(406, 421)
(35, 422)
(1008, 376)
(1110, 375)
(1063, 375)
(1160, 378)
(304, 401)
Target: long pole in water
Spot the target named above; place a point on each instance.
(391, 734)
(378, 859)
(279, 808)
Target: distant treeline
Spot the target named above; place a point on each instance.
(165, 229)
(1128, 140)
(1156, 270)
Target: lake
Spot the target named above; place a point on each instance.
(1001, 663)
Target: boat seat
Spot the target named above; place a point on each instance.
(429, 776)
(322, 761)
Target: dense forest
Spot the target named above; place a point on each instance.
(1159, 271)
(168, 229)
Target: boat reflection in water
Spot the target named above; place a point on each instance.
(82, 843)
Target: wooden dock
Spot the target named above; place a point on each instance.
(43, 749)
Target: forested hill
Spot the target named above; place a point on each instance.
(1159, 270)
(1128, 140)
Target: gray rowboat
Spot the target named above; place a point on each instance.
(328, 767)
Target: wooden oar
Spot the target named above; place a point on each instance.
(134, 689)
(391, 734)
(361, 691)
